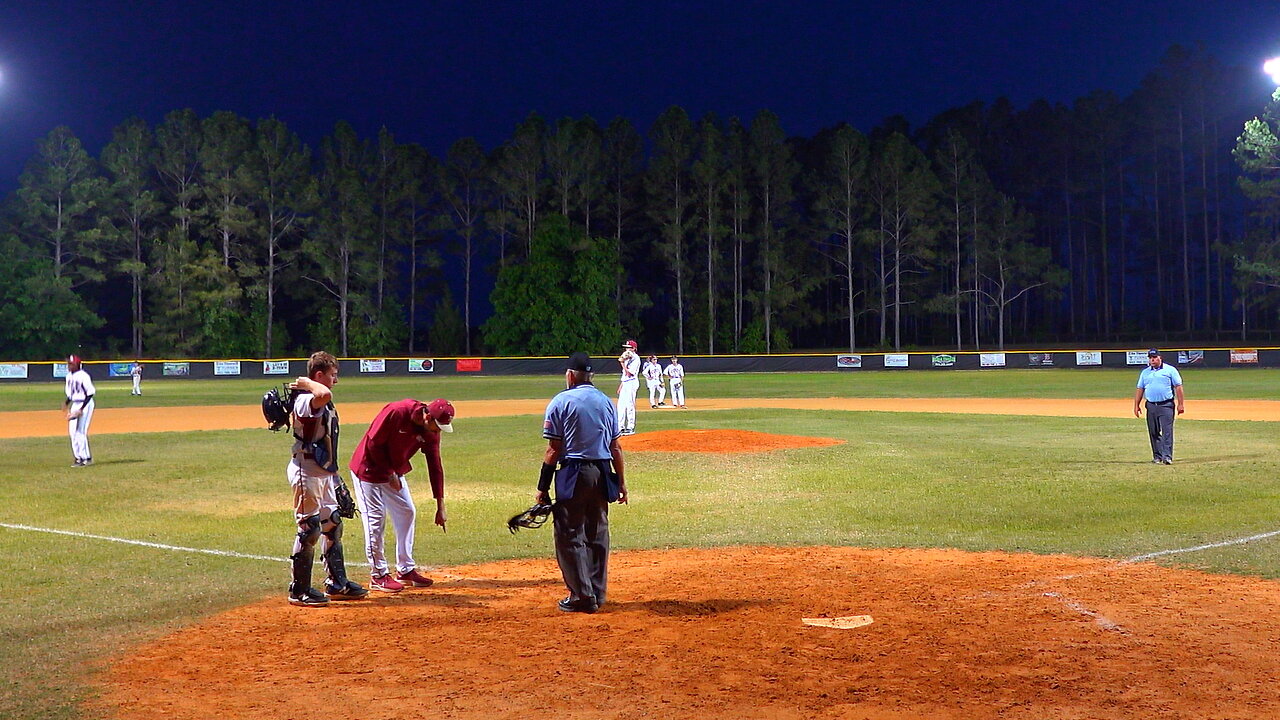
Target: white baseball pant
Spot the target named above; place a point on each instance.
(378, 502)
(78, 429)
(657, 388)
(627, 404)
(677, 392)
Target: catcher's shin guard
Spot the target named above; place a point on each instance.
(334, 564)
(304, 552)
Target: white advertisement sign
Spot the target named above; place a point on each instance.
(372, 366)
(848, 361)
(991, 359)
(275, 367)
(896, 360)
(1089, 357)
(226, 367)
(59, 370)
(13, 371)
(421, 365)
(1135, 357)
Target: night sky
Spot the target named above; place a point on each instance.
(433, 72)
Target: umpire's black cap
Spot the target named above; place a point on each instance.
(1153, 352)
(579, 361)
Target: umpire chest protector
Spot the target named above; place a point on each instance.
(318, 436)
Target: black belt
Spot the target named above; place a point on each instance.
(1160, 402)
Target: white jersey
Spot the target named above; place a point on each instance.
(652, 372)
(631, 369)
(79, 387)
(675, 371)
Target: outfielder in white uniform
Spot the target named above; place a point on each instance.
(79, 406)
(675, 371)
(627, 388)
(136, 372)
(652, 372)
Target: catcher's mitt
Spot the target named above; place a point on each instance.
(346, 504)
(534, 517)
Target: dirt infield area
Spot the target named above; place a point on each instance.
(106, 420)
(719, 633)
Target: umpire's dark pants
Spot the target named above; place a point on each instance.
(1160, 428)
(582, 536)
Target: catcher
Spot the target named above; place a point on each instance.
(317, 486)
(581, 428)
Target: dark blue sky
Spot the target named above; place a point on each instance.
(434, 71)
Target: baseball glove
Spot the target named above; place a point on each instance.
(346, 504)
(535, 517)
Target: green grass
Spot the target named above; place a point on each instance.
(1046, 485)
(1201, 383)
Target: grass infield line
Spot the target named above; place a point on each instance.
(246, 556)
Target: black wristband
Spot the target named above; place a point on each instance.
(544, 477)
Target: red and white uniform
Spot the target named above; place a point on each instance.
(627, 388)
(80, 392)
(652, 372)
(383, 452)
(675, 371)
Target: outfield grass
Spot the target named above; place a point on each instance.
(1047, 485)
(1207, 383)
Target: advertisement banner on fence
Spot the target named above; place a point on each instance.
(422, 365)
(176, 369)
(1244, 357)
(944, 360)
(896, 360)
(991, 359)
(60, 370)
(848, 361)
(1190, 357)
(1040, 359)
(372, 366)
(226, 367)
(275, 367)
(468, 365)
(119, 369)
(13, 371)
(1089, 357)
(1135, 357)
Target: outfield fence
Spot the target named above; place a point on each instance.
(287, 368)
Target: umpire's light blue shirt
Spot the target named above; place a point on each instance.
(1158, 385)
(585, 419)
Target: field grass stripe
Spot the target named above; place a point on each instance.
(159, 546)
(1196, 548)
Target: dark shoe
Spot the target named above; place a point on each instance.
(582, 606)
(78, 463)
(87, 461)
(347, 591)
(307, 598)
(1157, 461)
(653, 406)
(1167, 461)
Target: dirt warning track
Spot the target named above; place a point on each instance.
(108, 420)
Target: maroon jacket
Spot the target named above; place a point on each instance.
(391, 440)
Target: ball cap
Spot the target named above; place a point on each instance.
(1153, 352)
(630, 344)
(442, 412)
(580, 362)
(73, 359)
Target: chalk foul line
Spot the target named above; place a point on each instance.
(1196, 548)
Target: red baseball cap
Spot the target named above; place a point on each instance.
(629, 344)
(73, 359)
(442, 412)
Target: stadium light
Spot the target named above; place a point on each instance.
(1272, 68)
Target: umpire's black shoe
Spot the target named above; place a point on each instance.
(582, 606)
(307, 598)
(348, 590)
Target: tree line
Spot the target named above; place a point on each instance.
(1097, 221)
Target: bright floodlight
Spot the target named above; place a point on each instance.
(1272, 68)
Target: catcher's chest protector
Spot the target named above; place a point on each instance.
(319, 437)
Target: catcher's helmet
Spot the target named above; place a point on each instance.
(275, 409)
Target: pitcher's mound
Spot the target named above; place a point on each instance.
(719, 441)
(720, 633)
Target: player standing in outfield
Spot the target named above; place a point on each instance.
(313, 475)
(79, 406)
(627, 388)
(1160, 384)
(582, 435)
(675, 371)
(379, 465)
(652, 372)
(136, 371)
